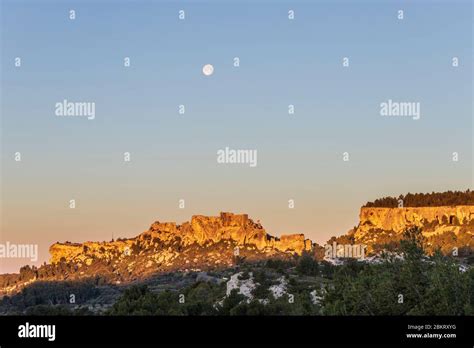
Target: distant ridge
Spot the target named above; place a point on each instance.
(204, 243)
(434, 199)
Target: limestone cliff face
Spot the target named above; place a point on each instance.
(79, 251)
(204, 230)
(204, 243)
(398, 219)
(379, 225)
(168, 240)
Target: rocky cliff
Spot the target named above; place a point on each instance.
(201, 231)
(223, 241)
(445, 226)
(204, 243)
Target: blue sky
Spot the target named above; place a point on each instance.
(283, 62)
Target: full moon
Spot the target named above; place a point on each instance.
(208, 69)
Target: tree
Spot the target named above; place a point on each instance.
(231, 301)
(307, 265)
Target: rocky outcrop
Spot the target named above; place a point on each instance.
(204, 243)
(200, 231)
(210, 242)
(381, 225)
(398, 219)
(78, 251)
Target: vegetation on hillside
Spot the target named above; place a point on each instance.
(434, 199)
(404, 283)
(412, 285)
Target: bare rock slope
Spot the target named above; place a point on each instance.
(204, 243)
(444, 227)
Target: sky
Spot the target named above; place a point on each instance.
(173, 155)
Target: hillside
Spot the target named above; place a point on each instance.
(222, 242)
(444, 227)
(204, 243)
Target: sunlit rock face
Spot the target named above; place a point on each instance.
(216, 242)
(200, 231)
(445, 227)
(204, 243)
